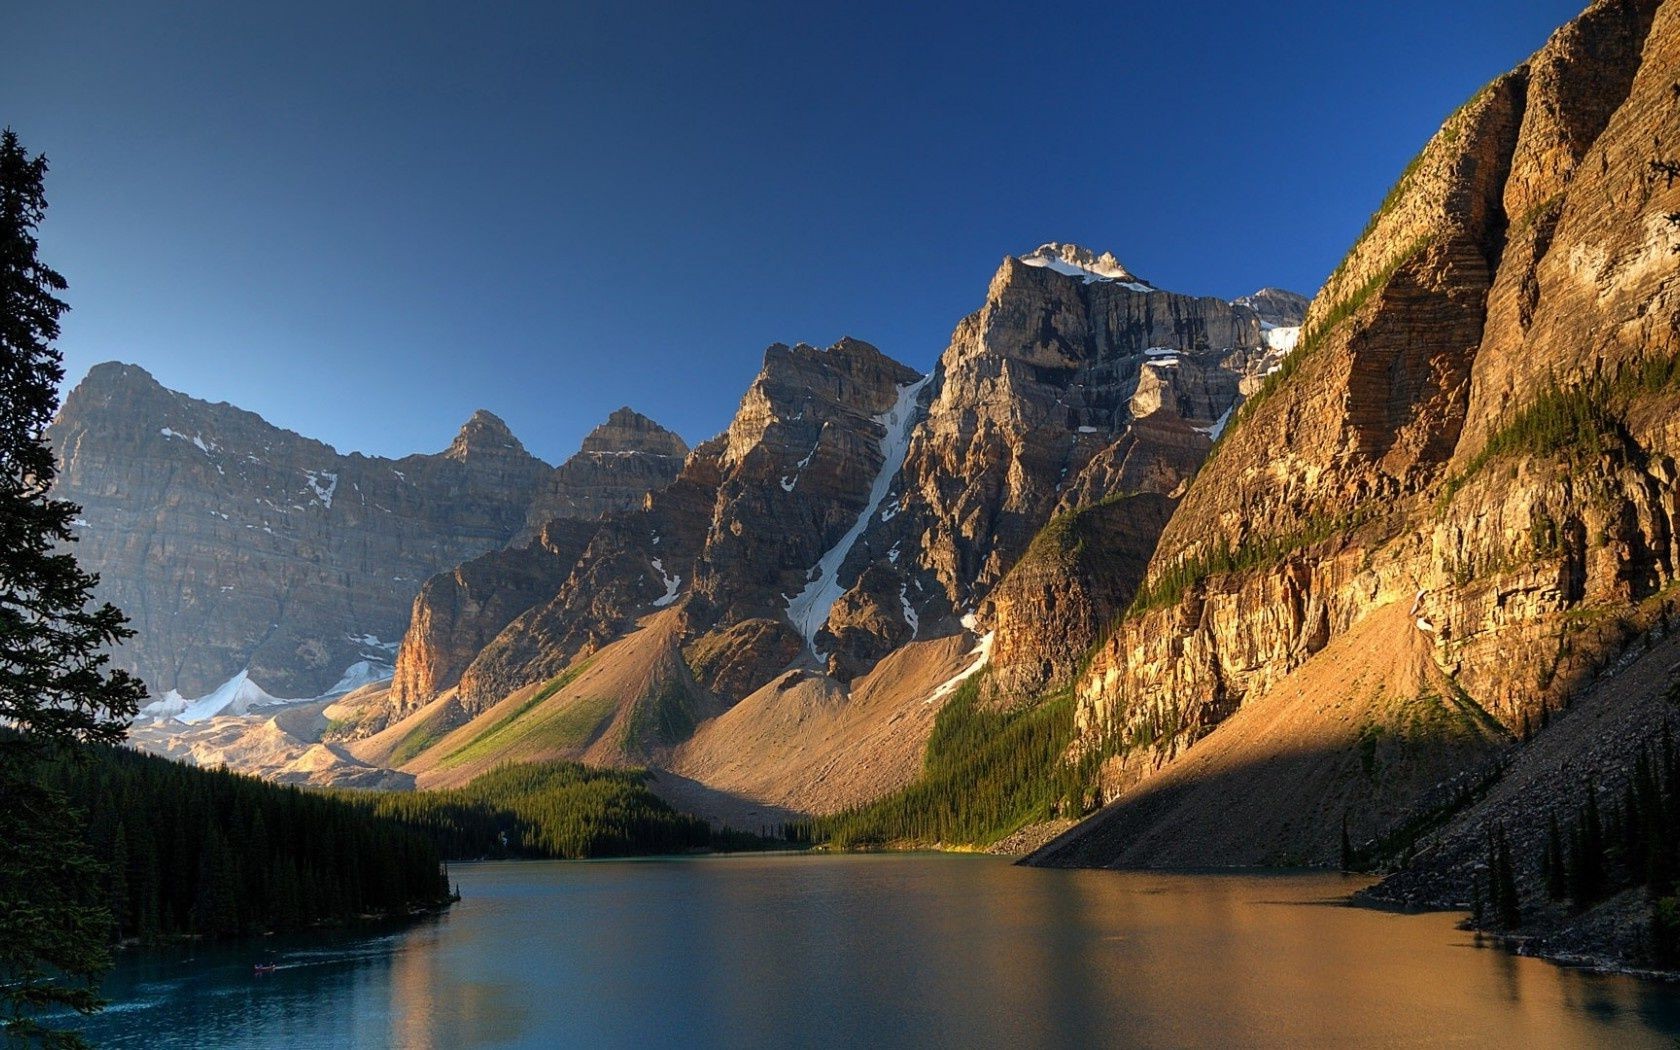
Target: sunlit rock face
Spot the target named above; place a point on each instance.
(1405, 460)
(621, 461)
(1076, 381)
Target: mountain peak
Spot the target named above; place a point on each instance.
(483, 432)
(627, 430)
(1276, 306)
(1076, 261)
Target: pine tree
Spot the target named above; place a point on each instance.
(55, 686)
(1557, 873)
(1349, 861)
(1507, 899)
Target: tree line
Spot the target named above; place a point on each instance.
(1605, 847)
(560, 810)
(191, 851)
(986, 773)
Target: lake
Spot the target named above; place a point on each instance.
(879, 950)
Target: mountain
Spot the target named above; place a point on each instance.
(238, 547)
(1446, 522)
(621, 461)
(259, 565)
(816, 574)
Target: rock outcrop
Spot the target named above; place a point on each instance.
(458, 613)
(1074, 383)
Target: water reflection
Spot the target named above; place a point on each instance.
(883, 950)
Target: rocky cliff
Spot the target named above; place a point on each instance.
(853, 506)
(1074, 383)
(236, 546)
(1469, 455)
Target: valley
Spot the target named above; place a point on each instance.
(1384, 581)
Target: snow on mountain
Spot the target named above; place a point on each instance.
(239, 695)
(1280, 338)
(809, 608)
(1074, 261)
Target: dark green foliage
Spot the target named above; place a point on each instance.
(550, 809)
(986, 774)
(1557, 871)
(56, 688)
(1587, 861)
(1502, 882)
(1634, 844)
(212, 853)
(1350, 859)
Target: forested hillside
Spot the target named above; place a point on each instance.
(195, 851)
(551, 809)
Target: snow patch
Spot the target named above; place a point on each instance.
(672, 583)
(910, 616)
(1281, 339)
(981, 652)
(358, 674)
(236, 696)
(809, 609)
(372, 641)
(1219, 424)
(1087, 430)
(195, 439)
(324, 493)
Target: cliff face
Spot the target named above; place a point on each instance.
(1478, 428)
(853, 506)
(234, 545)
(1075, 382)
(736, 535)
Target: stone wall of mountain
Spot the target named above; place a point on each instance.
(1478, 429)
(460, 611)
(621, 461)
(1075, 382)
(853, 506)
(234, 545)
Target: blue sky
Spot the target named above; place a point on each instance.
(365, 221)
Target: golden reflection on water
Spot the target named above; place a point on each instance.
(903, 951)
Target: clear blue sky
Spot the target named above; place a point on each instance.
(365, 221)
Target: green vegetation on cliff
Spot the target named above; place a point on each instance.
(1577, 423)
(1170, 585)
(1607, 846)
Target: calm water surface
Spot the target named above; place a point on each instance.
(886, 950)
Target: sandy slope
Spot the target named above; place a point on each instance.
(805, 744)
(1365, 728)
